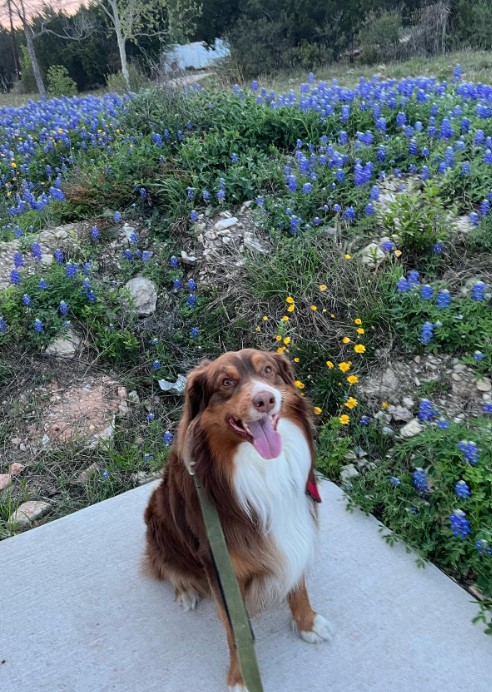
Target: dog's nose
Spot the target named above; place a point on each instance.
(264, 401)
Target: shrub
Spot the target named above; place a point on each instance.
(115, 83)
(60, 83)
(379, 36)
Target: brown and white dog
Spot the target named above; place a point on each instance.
(247, 434)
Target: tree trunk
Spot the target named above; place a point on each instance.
(34, 61)
(121, 40)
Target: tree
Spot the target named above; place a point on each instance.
(24, 13)
(132, 20)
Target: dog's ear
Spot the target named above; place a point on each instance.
(196, 392)
(285, 368)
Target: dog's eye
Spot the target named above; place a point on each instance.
(267, 370)
(227, 382)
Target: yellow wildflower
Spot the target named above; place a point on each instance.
(281, 349)
(314, 308)
(385, 405)
(317, 410)
(278, 338)
(329, 364)
(258, 329)
(332, 316)
(323, 288)
(284, 318)
(352, 379)
(351, 402)
(397, 253)
(13, 164)
(344, 367)
(344, 419)
(347, 256)
(297, 360)
(299, 384)
(287, 340)
(289, 300)
(291, 308)
(264, 318)
(357, 321)
(360, 348)
(360, 331)
(346, 340)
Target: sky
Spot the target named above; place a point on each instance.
(69, 6)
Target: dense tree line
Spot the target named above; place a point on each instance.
(264, 35)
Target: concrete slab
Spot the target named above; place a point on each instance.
(76, 616)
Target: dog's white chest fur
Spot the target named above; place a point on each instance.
(276, 490)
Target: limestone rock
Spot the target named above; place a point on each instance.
(28, 512)
(225, 223)
(177, 387)
(400, 413)
(64, 346)
(411, 429)
(484, 384)
(144, 295)
(372, 255)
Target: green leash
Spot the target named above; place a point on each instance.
(231, 593)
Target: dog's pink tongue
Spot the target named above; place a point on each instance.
(266, 440)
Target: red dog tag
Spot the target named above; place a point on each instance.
(312, 488)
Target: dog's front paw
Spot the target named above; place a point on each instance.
(187, 600)
(321, 631)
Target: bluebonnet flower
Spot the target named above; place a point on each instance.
(15, 277)
(191, 300)
(18, 260)
(307, 188)
(59, 256)
(43, 284)
(369, 209)
(167, 438)
(194, 332)
(38, 326)
(426, 333)
(105, 474)
(71, 270)
(292, 183)
(478, 355)
(414, 277)
(401, 119)
(457, 73)
(18, 232)
(294, 224)
(487, 407)
(349, 214)
(395, 481)
(442, 423)
(413, 148)
(465, 168)
(95, 233)
(381, 124)
(374, 194)
(133, 238)
(260, 201)
(364, 420)
(388, 246)
(340, 175)
(403, 286)
(154, 341)
(63, 307)
(26, 299)
(146, 255)
(177, 284)
(485, 207)
(220, 195)
(142, 192)
(156, 139)
(460, 526)
(462, 489)
(425, 173)
(474, 218)
(420, 481)
(478, 291)
(254, 85)
(483, 547)
(317, 221)
(234, 158)
(128, 255)
(150, 417)
(426, 292)
(3, 326)
(343, 138)
(337, 208)
(426, 410)
(191, 284)
(173, 261)
(470, 450)
(156, 364)
(205, 195)
(117, 216)
(487, 157)
(91, 296)
(443, 299)
(438, 247)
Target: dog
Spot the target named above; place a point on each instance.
(247, 433)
